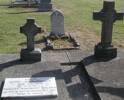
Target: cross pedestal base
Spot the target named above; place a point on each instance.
(30, 56)
(103, 52)
(45, 7)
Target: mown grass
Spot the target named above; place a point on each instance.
(78, 16)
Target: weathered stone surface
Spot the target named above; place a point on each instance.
(108, 77)
(57, 23)
(71, 81)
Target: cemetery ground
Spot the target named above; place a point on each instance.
(78, 22)
(73, 69)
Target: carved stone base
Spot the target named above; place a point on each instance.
(103, 52)
(30, 56)
(45, 7)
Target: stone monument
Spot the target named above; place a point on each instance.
(108, 15)
(29, 87)
(30, 29)
(45, 5)
(57, 23)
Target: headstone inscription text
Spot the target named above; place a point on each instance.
(30, 87)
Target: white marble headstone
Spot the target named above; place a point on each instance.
(57, 23)
(30, 87)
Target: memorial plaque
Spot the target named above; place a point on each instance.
(30, 87)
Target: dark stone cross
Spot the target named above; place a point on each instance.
(108, 16)
(30, 29)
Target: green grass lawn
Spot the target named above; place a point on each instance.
(78, 16)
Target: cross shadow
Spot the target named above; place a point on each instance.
(13, 63)
(88, 88)
(76, 71)
(95, 81)
(76, 91)
(9, 64)
(87, 61)
(88, 81)
(91, 60)
(23, 12)
(111, 90)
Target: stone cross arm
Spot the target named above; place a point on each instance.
(108, 12)
(101, 16)
(30, 28)
(119, 16)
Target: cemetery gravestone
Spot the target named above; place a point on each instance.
(108, 15)
(30, 29)
(57, 24)
(45, 5)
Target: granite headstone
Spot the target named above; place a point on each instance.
(57, 23)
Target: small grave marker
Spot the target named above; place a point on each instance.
(45, 5)
(29, 87)
(107, 16)
(57, 23)
(30, 29)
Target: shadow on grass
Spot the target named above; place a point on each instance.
(23, 12)
(87, 61)
(36, 42)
